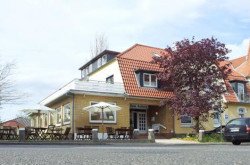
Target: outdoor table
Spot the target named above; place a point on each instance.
(121, 132)
(124, 133)
(84, 133)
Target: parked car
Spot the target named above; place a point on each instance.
(216, 130)
(237, 131)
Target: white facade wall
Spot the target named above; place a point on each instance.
(110, 69)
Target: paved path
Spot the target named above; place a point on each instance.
(174, 141)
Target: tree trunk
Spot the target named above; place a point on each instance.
(197, 124)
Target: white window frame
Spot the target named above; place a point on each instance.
(241, 114)
(70, 109)
(242, 86)
(150, 80)
(100, 121)
(58, 112)
(186, 124)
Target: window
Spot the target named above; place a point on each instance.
(108, 116)
(110, 79)
(66, 113)
(87, 70)
(83, 73)
(241, 91)
(90, 68)
(104, 59)
(216, 118)
(99, 62)
(186, 120)
(149, 80)
(241, 111)
(58, 115)
(94, 66)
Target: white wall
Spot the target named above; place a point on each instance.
(109, 69)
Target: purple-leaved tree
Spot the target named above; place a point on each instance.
(195, 71)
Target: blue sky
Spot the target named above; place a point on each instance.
(50, 39)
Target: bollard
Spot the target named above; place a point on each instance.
(136, 133)
(201, 133)
(21, 134)
(95, 135)
(151, 135)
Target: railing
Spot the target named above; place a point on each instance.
(99, 86)
(86, 86)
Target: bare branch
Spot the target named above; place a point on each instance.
(100, 44)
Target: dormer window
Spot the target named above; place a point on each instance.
(104, 59)
(146, 78)
(149, 80)
(239, 89)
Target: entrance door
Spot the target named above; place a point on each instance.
(139, 120)
(142, 121)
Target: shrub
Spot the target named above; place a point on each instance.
(212, 138)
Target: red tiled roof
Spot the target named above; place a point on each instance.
(244, 69)
(242, 64)
(238, 61)
(139, 57)
(230, 96)
(234, 75)
(141, 53)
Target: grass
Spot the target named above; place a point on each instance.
(206, 138)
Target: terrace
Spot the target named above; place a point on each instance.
(86, 87)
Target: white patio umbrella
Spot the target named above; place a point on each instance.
(38, 109)
(102, 107)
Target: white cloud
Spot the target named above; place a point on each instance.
(238, 50)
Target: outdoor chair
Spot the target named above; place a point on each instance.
(49, 134)
(110, 132)
(65, 135)
(130, 133)
(87, 133)
(122, 133)
(13, 134)
(79, 133)
(30, 133)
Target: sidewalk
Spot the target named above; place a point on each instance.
(174, 141)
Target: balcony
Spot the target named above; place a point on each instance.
(86, 87)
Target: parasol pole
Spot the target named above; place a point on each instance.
(102, 124)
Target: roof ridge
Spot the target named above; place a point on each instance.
(149, 46)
